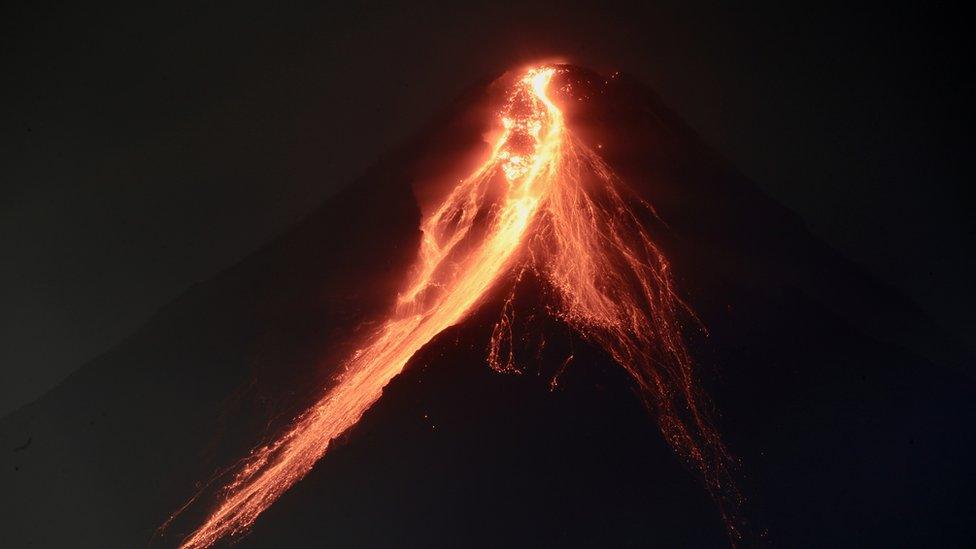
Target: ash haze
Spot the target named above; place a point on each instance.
(146, 148)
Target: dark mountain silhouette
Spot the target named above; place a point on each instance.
(850, 411)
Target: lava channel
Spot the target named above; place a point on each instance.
(553, 206)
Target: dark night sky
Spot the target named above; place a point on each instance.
(145, 149)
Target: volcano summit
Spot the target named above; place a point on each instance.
(542, 201)
(564, 228)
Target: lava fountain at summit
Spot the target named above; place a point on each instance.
(542, 201)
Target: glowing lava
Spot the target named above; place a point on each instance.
(541, 201)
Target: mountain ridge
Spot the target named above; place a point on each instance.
(241, 348)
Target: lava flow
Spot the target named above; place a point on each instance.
(542, 201)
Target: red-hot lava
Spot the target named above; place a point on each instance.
(542, 201)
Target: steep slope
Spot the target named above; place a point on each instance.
(845, 434)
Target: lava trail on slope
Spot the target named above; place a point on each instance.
(545, 202)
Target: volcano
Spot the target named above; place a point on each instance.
(553, 318)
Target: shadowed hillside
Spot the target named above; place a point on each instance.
(849, 411)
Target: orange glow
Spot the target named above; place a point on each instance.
(553, 207)
(448, 280)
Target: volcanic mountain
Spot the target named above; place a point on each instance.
(844, 412)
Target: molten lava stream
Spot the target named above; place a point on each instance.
(552, 203)
(448, 280)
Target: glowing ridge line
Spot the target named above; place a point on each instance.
(590, 245)
(446, 284)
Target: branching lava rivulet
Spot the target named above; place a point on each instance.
(585, 240)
